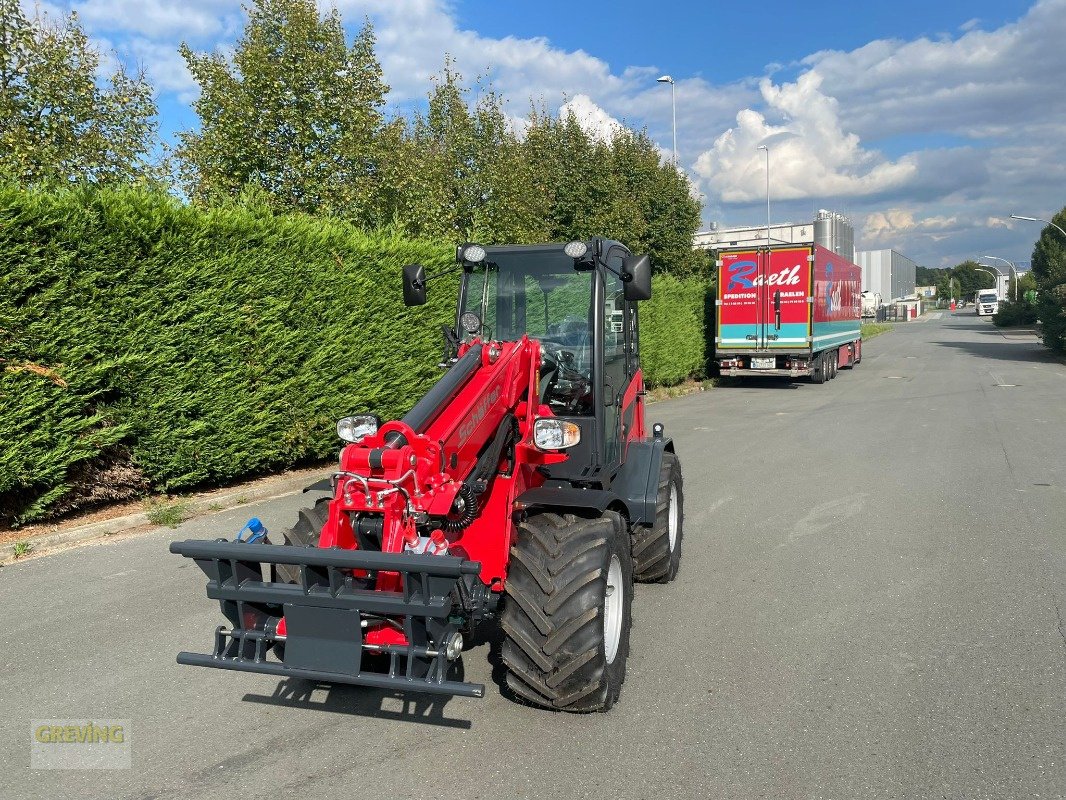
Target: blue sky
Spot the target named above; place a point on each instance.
(926, 122)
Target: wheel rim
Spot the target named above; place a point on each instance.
(612, 610)
(672, 520)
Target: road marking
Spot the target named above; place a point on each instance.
(827, 515)
(717, 504)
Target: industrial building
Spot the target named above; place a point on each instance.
(887, 273)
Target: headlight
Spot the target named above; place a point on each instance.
(353, 429)
(555, 434)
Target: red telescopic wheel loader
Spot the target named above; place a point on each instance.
(523, 488)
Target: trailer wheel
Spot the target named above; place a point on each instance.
(818, 373)
(657, 550)
(568, 611)
(858, 353)
(832, 370)
(304, 533)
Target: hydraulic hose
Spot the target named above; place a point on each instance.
(469, 514)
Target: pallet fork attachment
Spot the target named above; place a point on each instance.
(327, 612)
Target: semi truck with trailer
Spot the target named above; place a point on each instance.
(787, 310)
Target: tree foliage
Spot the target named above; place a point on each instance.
(963, 280)
(57, 124)
(1049, 269)
(296, 113)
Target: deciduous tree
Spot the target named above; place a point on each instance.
(57, 124)
(1049, 269)
(296, 112)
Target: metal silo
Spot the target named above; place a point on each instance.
(833, 231)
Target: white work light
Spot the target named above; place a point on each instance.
(473, 253)
(576, 249)
(354, 429)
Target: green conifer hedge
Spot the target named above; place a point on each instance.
(150, 344)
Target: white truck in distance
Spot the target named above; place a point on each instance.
(987, 302)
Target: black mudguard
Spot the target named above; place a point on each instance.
(635, 485)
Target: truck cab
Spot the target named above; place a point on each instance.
(987, 302)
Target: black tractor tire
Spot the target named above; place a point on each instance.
(557, 651)
(304, 533)
(657, 554)
(818, 373)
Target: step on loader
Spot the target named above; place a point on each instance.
(524, 488)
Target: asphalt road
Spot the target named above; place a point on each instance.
(871, 604)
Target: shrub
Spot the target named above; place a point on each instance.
(208, 344)
(1010, 314)
(673, 343)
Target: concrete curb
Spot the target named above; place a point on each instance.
(208, 503)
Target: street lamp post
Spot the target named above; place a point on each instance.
(673, 111)
(767, 150)
(1037, 219)
(1013, 268)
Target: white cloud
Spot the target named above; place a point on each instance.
(813, 156)
(596, 122)
(982, 83)
(886, 224)
(188, 19)
(165, 67)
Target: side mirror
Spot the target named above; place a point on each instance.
(638, 287)
(414, 285)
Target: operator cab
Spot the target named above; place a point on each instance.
(579, 300)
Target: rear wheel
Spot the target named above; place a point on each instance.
(818, 373)
(858, 353)
(568, 611)
(832, 365)
(304, 533)
(657, 550)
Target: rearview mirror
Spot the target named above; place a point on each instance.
(414, 285)
(638, 287)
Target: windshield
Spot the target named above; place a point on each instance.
(537, 292)
(988, 298)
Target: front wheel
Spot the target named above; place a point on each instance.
(657, 550)
(304, 533)
(568, 611)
